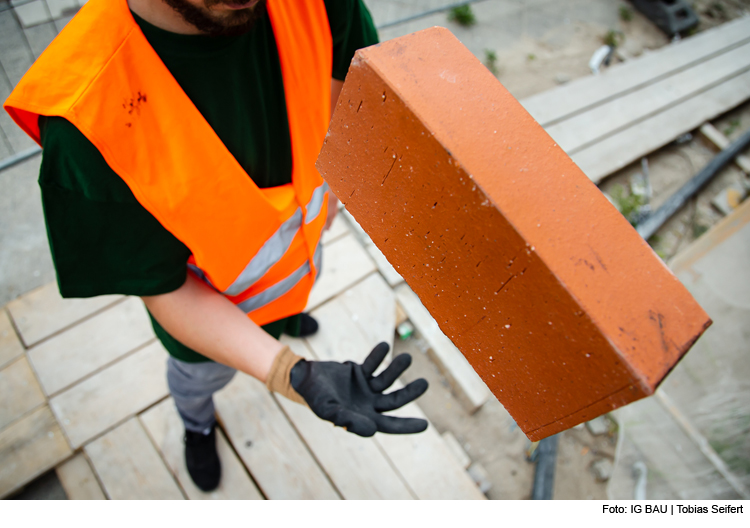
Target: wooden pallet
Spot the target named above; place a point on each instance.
(606, 121)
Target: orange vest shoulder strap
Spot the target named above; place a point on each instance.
(113, 87)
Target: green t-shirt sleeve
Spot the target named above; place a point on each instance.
(351, 28)
(102, 240)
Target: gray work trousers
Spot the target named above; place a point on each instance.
(192, 386)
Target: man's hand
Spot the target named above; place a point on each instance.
(348, 395)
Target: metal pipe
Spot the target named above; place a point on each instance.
(18, 158)
(652, 224)
(544, 476)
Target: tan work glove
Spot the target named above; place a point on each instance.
(279, 379)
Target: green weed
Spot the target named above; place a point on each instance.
(613, 38)
(627, 204)
(490, 60)
(699, 229)
(734, 124)
(626, 14)
(462, 15)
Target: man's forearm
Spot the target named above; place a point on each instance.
(204, 320)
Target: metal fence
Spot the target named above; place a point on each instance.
(26, 28)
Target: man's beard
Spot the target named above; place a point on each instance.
(233, 23)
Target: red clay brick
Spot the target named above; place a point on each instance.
(558, 304)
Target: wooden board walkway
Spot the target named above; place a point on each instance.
(83, 390)
(606, 121)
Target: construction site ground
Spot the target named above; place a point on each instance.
(538, 44)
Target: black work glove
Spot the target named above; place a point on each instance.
(349, 396)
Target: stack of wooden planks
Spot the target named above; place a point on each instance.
(83, 386)
(606, 121)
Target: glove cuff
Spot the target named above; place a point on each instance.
(279, 379)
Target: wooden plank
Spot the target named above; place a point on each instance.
(401, 316)
(388, 272)
(60, 8)
(15, 59)
(372, 306)
(588, 128)
(618, 150)
(423, 460)
(43, 312)
(10, 344)
(6, 150)
(356, 229)
(31, 12)
(456, 449)
(166, 430)
(721, 142)
(703, 444)
(60, 23)
(338, 230)
(356, 465)
(344, 263)
(90, 345)
(78, 479)
(426, 463)
(112, 395)
(468, 387)
(671, 454)
(40, 36)
(267, 444)
(16, 56)
(19, 391)
(129, 466)
(28, 448)
(581, 94)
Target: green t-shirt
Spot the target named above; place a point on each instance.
(102, 240)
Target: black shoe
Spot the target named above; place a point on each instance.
(202, 460)
(308, 326)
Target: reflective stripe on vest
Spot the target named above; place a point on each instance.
(276, 246)
(257, 246)
(281, 288)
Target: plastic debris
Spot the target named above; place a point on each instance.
(601, 56)
(640, 473)
(405, 330)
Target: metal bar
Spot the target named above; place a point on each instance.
(544, 476)
(18, 158)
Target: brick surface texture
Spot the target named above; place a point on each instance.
(557, 303)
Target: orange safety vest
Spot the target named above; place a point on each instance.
(259, 247)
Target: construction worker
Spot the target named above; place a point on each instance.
(179, 139)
